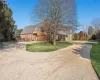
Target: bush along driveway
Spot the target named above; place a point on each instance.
(95, 57)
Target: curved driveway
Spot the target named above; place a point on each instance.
(72, 63)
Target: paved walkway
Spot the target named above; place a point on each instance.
(72, 63)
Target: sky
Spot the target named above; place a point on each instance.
(87, 10)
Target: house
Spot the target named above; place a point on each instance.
(34, 33)
(80, 36)
(65, 33)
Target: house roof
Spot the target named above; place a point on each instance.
(63, 30)
(29, 29)
(61, 27)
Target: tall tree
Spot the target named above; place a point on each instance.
(90, 30)
(1, 18)
(7, 27)
(56, 12)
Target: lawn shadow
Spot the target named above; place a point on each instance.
(8, 46)
(83, 51)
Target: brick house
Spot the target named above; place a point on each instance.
(34, 33)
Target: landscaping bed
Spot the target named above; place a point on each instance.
(46, 47)
(95, 57)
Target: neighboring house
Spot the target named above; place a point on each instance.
(65, 33)
(80, 36)
(34, 33)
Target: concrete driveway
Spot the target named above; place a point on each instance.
(72, 63)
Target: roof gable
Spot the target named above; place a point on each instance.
(28, 29)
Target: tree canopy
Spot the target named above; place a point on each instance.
(56, 12)
(7, 23)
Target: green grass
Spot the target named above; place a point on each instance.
(46, 47)
(95, 56)
(80, 40)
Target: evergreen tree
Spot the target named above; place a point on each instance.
(7, 24)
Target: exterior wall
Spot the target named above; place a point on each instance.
(34, 37)
(27, 37)
(60, 37)
(69, 38)
(41, 36)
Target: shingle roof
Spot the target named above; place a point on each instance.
(29, 29)
(64, 28)
(61, 27)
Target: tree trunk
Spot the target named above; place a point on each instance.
(54, 38)
(54, 41)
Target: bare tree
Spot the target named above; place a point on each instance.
(56, 12)
(96, 25)
(91, 32)
(45, 27)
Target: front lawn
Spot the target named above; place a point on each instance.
(95, 56)
(46, 47)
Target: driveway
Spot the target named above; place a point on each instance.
(72, 63)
